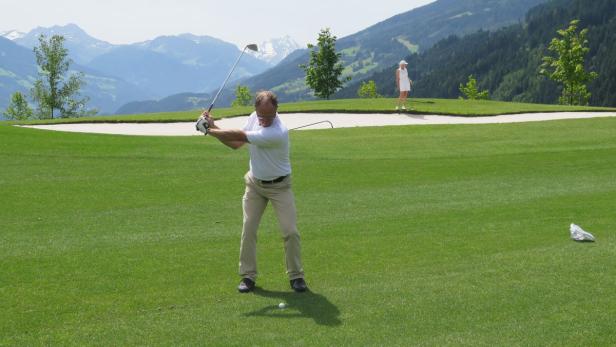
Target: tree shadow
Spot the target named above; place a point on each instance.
(299, 305)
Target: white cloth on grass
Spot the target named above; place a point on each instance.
(579, 234)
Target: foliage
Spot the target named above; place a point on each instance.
(469, 91)
(18, 108)
(324, 69)
(243, 96)
(54, 90)
(367, 90)
(506, 61)
(568, 67)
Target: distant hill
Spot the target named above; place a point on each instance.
(506, 62)
(18, 71)
(176, 64)
(118, 74)
(182, 101)
(81, 46)
(385, 43)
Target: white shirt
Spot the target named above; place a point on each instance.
(269, 148)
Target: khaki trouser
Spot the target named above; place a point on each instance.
(255, 200)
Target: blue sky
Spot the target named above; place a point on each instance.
(239, 22)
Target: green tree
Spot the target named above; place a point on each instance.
(242, 96)
(18, 108)
(470, 90)
(367, 90)
(54, 90)
(324, 69)
(568, 67)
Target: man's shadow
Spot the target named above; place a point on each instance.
(299, 305)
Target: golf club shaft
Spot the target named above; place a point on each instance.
(307, 125)
(226, 79)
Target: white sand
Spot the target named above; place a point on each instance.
(292, 120)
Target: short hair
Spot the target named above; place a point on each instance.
(266, 95)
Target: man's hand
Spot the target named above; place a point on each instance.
(203, 125)
(206, 115)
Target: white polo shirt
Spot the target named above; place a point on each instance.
(269, 148)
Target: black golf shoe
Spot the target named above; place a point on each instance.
(299, 285)
(246, 285)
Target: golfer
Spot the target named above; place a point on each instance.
(269, 179)
(403, 84)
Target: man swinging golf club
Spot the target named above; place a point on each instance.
(269, 179)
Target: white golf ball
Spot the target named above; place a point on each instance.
(282, 305)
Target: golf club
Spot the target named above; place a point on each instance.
(202, 124)
(252, 47)
(307, 125)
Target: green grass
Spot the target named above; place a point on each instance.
(381, 105)
(431, 235)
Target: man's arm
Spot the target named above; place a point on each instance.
(233, 138)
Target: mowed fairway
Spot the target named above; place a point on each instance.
(431, 235)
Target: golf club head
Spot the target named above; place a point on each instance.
(252, 47)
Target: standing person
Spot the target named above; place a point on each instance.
(403, 83)
(269, 179)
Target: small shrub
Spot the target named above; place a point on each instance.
(469, 91)
(242, 96)
(18, 108)
(367, 90)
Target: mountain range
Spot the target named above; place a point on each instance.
(173, 73)
(118, 74)
(18, 72)
(383, 44)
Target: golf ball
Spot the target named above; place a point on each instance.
(282, 305)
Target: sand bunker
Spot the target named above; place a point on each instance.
(293, 120)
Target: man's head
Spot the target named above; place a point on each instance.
(266, 105)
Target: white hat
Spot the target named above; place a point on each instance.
(403, 62)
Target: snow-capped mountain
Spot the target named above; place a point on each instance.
(12, 34)
(274, 50)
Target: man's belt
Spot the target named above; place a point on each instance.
(275, 180)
